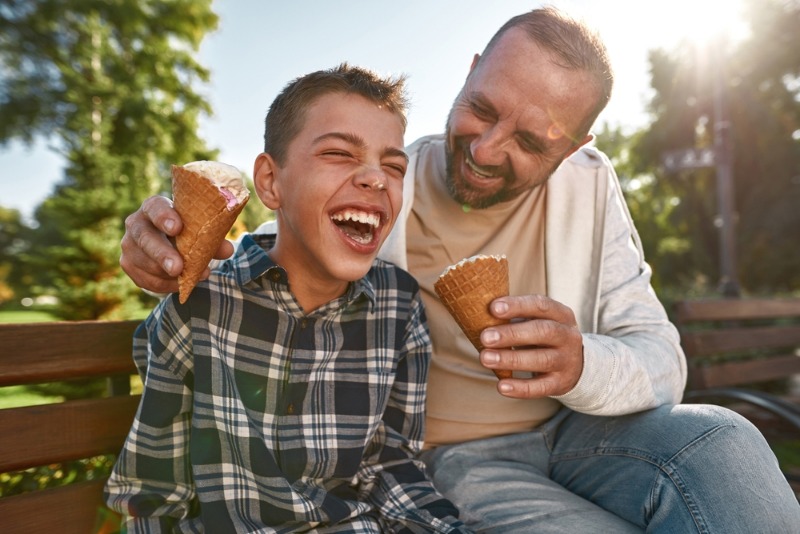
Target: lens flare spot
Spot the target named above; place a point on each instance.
(554, 132)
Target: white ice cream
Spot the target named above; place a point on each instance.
(471, 259)
(223, 176)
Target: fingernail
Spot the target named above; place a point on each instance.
(490, 336)
(490, 356)
(505, 388)
(169, 224)
(168, 263)
(500, 307)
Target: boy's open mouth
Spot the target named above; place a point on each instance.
(358, 225)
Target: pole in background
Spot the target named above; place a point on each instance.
(729, 281)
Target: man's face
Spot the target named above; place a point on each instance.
(339, 191)
(509, 128)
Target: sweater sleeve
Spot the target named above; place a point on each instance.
(633, 361)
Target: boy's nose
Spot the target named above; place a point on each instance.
(371, 178)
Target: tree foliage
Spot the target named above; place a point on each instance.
(761, 84)
(112, 83)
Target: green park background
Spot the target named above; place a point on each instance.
(712, 182)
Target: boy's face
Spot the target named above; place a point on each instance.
(339, 192)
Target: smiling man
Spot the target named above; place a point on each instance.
(588, 436)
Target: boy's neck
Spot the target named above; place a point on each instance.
(309, 289)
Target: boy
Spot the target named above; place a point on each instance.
(287, 393)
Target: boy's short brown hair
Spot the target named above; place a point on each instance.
(287, 113)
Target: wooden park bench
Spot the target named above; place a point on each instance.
(43, 435)
(745, 354)
(729, 344)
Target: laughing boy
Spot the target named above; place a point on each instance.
(287, 393)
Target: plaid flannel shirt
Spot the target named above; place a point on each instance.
(256, 417)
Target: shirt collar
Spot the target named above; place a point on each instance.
(250, 262)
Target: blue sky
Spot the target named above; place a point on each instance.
(262, 44)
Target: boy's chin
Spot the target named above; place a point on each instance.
(352, 270)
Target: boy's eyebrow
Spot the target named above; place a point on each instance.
(358, 141)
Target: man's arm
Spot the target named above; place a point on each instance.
(630, 361)
(148, 255)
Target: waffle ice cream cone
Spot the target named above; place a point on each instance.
(467, 288)
(208, 196)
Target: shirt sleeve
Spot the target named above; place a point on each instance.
(151, 483)
(634, 360)
(390, 477)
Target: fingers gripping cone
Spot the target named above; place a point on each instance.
(467, 288)
(207, 218)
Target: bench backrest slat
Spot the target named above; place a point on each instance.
(745, 372)
(34, 436)
(71, 509)
(72, 430)
(735, 342)
(732, 309)
(40, 352)
(708, 342)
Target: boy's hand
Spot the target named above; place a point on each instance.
(149, 256)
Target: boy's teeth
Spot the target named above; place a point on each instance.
(372, 219)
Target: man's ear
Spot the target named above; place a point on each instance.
(475, 60)
(264, 179)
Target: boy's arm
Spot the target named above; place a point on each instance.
(390, 476)
(151, 484)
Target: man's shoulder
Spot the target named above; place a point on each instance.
(588, 156)
(425, 143)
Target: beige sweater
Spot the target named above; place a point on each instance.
(593, 263)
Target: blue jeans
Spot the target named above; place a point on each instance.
(674, 469)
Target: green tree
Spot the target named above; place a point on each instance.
(14, 241)
(761, 86)
(112, 82)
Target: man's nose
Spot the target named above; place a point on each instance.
(489, 148)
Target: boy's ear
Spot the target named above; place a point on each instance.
(264, 179)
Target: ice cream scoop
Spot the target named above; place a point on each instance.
(208, 195)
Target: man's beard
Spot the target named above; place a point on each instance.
(463, 193)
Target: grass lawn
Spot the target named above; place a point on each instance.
(13, 396)
(26, 316)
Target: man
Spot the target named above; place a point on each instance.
(588, 435)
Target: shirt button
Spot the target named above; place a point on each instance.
(275, 276)
(304, 323)
(290, 409)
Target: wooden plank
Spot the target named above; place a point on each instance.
(736, 309)
(43, 352)
(71, 509)
(51, 433)
(743, 372)
(707, 342)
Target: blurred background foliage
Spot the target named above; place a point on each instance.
(116, 83)
(676, 212)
